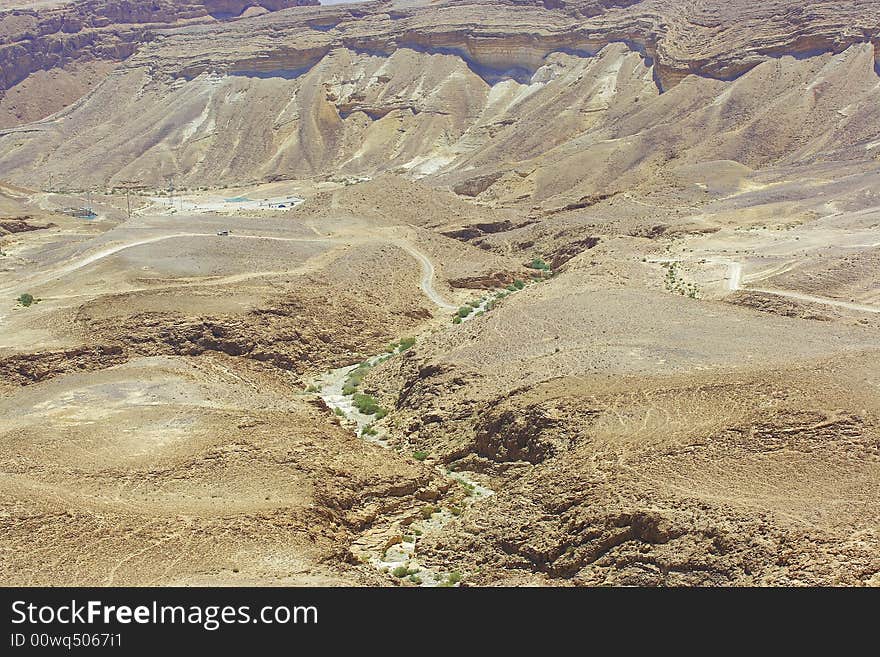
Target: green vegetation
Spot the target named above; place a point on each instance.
(313, 388)
(538, 263)
(369, 405)
(469, 488)
(415, 579)
(355, 378)
(369, 430)
(674, 282)
(429, 510)
(400, 346)
(518, 284)
(464, 311)
(339, 412)
(420, 456)
(403, 571)
(27, 300)
(456, 320)
(408, 538)
(475, 303)
(452, 579)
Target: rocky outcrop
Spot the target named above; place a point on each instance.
(715, 38)
(33, 40)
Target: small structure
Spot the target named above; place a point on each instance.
(80, 213)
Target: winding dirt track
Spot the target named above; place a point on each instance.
(426, 283)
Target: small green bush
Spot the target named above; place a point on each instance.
(339, 412)
(368, 405)
(420, 456)
(428, 510)
(407, 343)
(464, 311)
(26, 299)
(538, 263)
(518, 284)
(456, 320)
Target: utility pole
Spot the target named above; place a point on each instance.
(171, 191)
(129, 185)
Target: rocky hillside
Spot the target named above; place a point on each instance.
(74, 37)
(551, 102)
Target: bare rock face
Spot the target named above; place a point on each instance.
(562, 104)
(104, 30)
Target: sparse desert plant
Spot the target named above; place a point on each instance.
(518, 284)
(339, 412)
(407, 343)
(452, 579)
(538, 263)
(464, 311)
(313, 388)
(456, 320)
(404, 571)
(368, 405)
(428, 510)
(26, 300)
(420, 456)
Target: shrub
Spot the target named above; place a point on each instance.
(420, 456)
(475, 303)
(464, 311)
(428, 510)
(26, 299)
(511, 288)
(454, 577)
(339, 412)
(518, 284)
(415, 579)
(456, 320)
(369, 430)
(313, 388)
(368, 405)
(407, 343)
(538, 263)
(400, 571)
